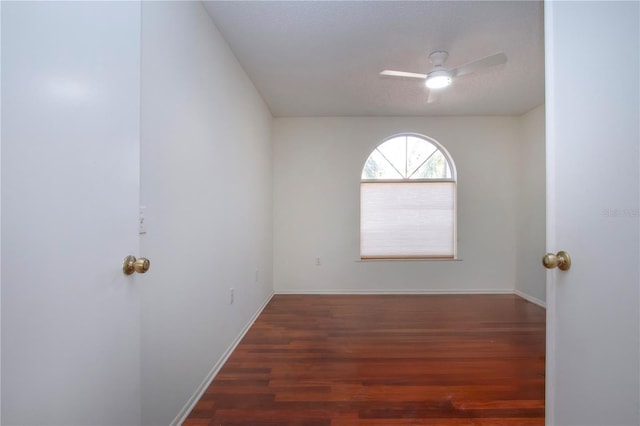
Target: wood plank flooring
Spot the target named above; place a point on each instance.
(320, 360)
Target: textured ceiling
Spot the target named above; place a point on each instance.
(323, 58)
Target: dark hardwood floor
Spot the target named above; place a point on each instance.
(384, 360)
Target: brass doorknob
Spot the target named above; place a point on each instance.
(131, 265)
(562, 260)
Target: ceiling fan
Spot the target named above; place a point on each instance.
(440, 77)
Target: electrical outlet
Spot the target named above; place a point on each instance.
(231, 295)
(318, 263)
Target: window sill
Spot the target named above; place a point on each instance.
(409, 259)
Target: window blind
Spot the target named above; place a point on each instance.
(407, 219)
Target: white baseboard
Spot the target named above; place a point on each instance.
(423, 291)
(525, 296)
(182, 416)
(531, 299)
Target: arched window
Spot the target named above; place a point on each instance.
(408, 200)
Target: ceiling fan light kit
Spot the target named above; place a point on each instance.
(438, 79)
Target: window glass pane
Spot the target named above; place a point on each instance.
(377, 167)
(418, 150)
(436, 167)
(395, 150)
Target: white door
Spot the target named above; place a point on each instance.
(593, 127)
(70, 190)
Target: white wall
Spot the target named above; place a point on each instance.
(531, 277)
(206, 183)
(317, 166)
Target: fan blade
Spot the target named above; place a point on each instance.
(433, 96)
(489, 61)
(391, 73)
